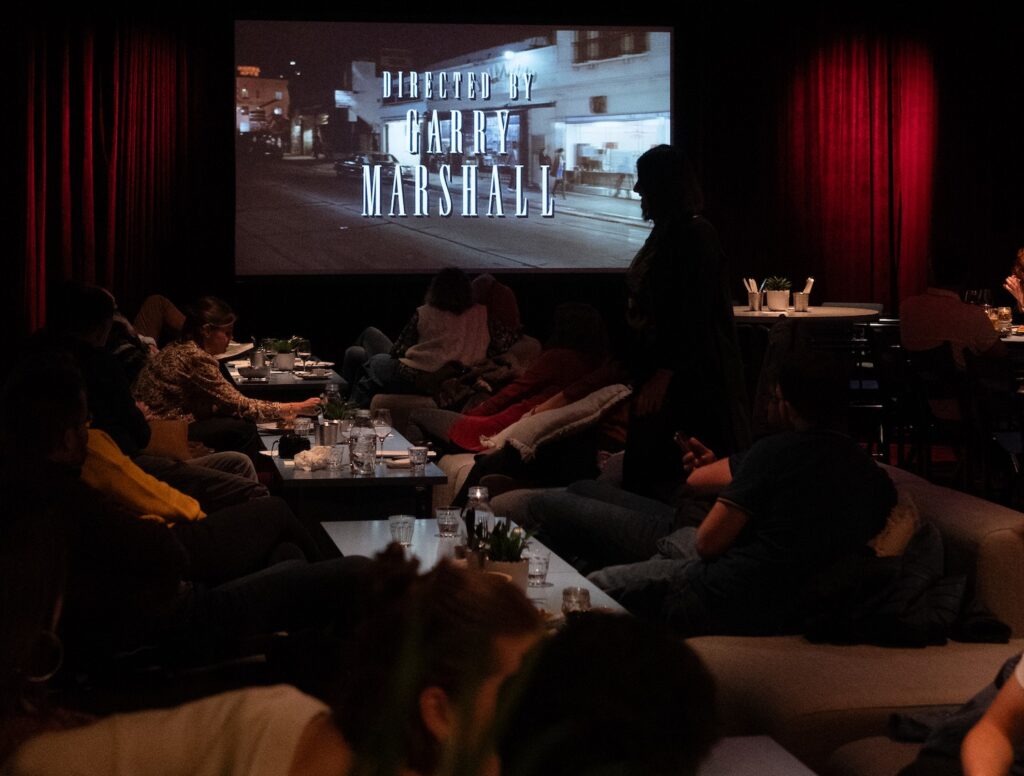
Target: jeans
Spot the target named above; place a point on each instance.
(593, 524)
(224, 434)
(382, 376)
(633, 584)
(216, 481)
(244, 539)
(371, 342)
(288, 596)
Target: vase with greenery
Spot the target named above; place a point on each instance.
(777, 295)
(504, 549)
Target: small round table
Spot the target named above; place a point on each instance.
(743, 314)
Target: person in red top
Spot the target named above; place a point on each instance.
(576, 348)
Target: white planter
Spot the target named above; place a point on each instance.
(518, 571)
(284, 361)
(777, 300)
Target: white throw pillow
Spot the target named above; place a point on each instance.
(529, 433)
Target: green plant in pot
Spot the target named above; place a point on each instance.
(339, 410)
(504, 550)
(285, 358)
(777, 292)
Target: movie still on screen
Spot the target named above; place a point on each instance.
(394, 148)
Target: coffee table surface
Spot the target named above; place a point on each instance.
(281, 383)
(293, 476)
(368, 537)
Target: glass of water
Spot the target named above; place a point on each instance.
(448, 521)
(401, 528)
(537, 567)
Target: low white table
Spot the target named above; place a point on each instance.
(368, 537)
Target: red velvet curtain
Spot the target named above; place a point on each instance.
(106, 122)
(857, 175)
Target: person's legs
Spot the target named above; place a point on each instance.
(591, 534)
(213, 483)
(243, 539)
(156, 316)
(227, 434)
(288, 596)
(431, 425)
(382, 376)
(641, 587)
(371, 342)
(237, 464)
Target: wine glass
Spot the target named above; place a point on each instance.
(381, 427)
(303, 350)
(972, 296)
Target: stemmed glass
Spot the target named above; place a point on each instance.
(382, 428)
(303, 350)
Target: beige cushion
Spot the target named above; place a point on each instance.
(983, 540)
(529, 433)
(169, 439)
(457, 468)
(812, 698)
(899, 529)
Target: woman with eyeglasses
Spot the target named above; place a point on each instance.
(184, 381)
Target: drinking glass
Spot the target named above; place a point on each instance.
(337, 459)
(417, 458)
(448, 520)
(303, 426)
(972, 296)
(575, 599)
(537, 567)
(401, 528)
(381, 427)
(363, 449)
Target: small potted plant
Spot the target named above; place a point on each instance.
(504, 552)
(284, 357)
(778, 292)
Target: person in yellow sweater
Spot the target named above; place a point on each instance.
(226, 544)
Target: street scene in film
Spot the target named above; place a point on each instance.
(364, 148)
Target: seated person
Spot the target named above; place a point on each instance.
(936, 316)
(184, 381)
(154, 569)
(609, 694)
(790, 506)
(1014, 283)
(468, 632)
(577, 346)
(79, 326)
(995, 745)
(447, 328)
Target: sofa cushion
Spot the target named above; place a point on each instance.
(899, 528)
(983, 540)
(532, 431)
(813, 698)
(457, 467)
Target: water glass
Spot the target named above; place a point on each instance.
(338, 457)
(448, 520)
(417, 458)
(537, 567)
(364, 453)
(303, 426)
(401, 528)
(575, 599)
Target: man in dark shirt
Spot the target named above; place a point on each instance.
(790, 506)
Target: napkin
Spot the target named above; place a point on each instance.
(313, 459)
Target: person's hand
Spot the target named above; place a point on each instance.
(695, 453)
(302, 407)
(1013, 285)
(651, 396)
